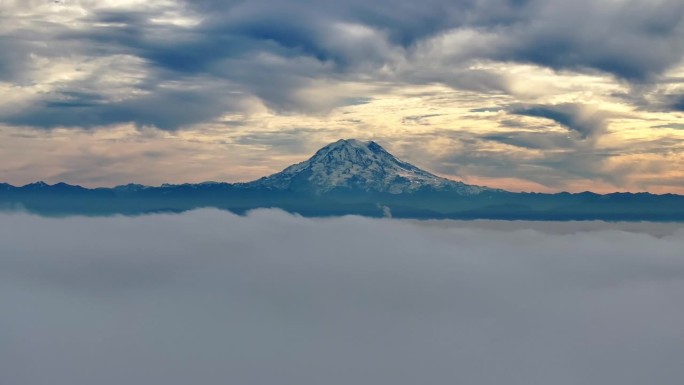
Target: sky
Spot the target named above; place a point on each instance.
(209, 297)
(525, 95)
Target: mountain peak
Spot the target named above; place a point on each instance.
(352, 164)
(347, 144)
(352, 150)
(36, 185)
(60, 186)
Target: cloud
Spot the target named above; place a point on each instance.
(276, 50)
(294, 140)
(678, 103)
(209, 297)
(579, 118)
(167, 108)
(586, 35)
(532, 140)
(551, 159)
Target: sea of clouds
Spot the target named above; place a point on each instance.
(208, 297)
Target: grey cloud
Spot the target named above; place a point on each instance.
(677, 103)
(419, 119)
(575, 117)
(274, 49)
(676, 126)
(209, 297)
(551, 159)
(406, 22)
(562, 159)
(578, 35)
(11, 66)
(556, 168)
(475, 80)
(633, 40)
(163, 108)
(661, 97)
(200, 59)
(295, 140)
(532, 140)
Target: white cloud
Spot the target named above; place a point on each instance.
(209, 297)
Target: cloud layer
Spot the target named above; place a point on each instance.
(276, 50)
(209, 297)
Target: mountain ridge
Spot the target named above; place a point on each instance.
(345, 177)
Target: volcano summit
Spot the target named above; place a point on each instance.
(350, 164)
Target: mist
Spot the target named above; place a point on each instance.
(208, 297)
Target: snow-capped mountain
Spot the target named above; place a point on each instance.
(357, 165)
(348, 177)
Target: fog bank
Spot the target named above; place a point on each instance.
(208, 297)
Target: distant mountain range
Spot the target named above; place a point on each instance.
(345, 177)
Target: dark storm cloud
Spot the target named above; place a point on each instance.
(209, 297)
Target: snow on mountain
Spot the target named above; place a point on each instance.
(357, 165)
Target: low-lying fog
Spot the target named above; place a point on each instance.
(208, 297)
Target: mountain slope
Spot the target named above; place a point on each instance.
(350, 164)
